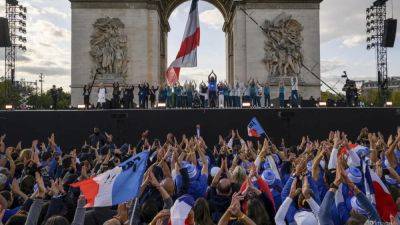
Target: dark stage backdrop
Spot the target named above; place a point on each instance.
(73, 127)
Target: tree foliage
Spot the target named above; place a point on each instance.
(21, 97)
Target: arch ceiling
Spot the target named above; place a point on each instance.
(222, 5)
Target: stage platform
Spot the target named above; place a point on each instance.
(73, 127)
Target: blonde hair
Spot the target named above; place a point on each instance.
(239, 174)
(25, 154)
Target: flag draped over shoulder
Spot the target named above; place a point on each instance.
(117, 185)
(254, 129)
(187, 55)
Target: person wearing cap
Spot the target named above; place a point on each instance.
(361, 208)
(197, 178)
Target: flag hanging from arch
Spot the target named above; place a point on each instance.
(187, 55)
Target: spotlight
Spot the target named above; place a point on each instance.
(81, 106)
(389, 104)
(8, 107)
(246, 104)
(161, 105)
(322, 104)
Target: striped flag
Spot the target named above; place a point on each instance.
(187, 55)
(117, 185)
(385, 204)
(254, 129)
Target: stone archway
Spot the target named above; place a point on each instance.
(224, 7)
(143, 28)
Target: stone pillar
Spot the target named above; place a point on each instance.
(142, 27)
(249, 42)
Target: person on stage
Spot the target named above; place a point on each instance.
(143, 95)
(153, 92)
(227, 97)
(203, 94)
(178, 94)
(146, 95)
(169, 96)
(220, 93)
(212, 90)
(267, 95)
(259, 94)
(252, 86)
(101, 96)
(86, 96)
(54, 92)
(281, 93)
(125, 98)
(295, 91)
(116, 94)
(191, 86)
(162, 94)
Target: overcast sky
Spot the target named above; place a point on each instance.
(343, 44)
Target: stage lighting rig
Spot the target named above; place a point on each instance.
(375, 27)
(17, 16)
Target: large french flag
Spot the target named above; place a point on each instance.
(117, 185)
(187, 55)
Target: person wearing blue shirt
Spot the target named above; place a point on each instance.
(267, 95)
(282, 94)
(197, 179)
(169, 96)
(253, 92)
(212, 90)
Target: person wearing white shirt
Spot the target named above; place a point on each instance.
(101, 96)
(302, 217)
(295, 91)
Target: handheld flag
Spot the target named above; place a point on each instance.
(254, 129)
(181, 209)
(117, 185)
(187, 55)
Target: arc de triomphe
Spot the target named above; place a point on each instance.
(126, 41)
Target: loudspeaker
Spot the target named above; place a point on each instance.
(4, 33)
(389, 36)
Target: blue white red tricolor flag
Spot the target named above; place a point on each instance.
(187, 55)
(385, 204)
(254, 129)
(117, 185)
(181, 209)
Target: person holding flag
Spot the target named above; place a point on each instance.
(117, 185)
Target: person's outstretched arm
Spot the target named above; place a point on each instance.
(79, 217)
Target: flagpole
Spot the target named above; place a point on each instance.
(133, 211)
(269, 140)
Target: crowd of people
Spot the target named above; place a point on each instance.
(213, 94)
(235, 181)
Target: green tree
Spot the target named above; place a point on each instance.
(395, 98)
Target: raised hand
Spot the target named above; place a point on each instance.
(293, 189)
